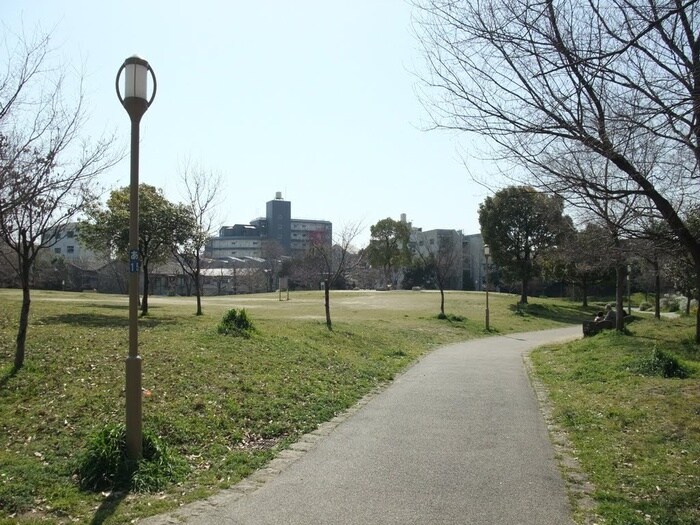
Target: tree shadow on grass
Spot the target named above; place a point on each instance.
(562, 314)
(7, 375)
(93, 320)
(108, 506)
(123, 307)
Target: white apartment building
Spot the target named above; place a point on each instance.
(68, 244)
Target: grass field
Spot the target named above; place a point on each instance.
(636, 434)
(228, 405)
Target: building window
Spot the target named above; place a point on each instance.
(70, 249)
(56, 250)
(432, 241)
(70, 234)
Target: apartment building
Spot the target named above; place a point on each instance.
(271, 236)
(468, 272)
(67, 244)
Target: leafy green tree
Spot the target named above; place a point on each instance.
(388, 246)
(520, 225)
(162, 226)
(418, 273)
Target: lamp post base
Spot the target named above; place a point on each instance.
(134, 433)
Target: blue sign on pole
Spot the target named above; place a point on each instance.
(133, 261)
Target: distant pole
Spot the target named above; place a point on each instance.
(629, 292)
(487, 252)
(136, 102)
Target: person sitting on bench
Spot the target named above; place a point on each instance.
(609, 314)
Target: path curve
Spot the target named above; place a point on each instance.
(457, 439)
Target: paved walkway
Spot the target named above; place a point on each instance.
(457, 439)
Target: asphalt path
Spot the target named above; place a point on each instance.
(457, 439)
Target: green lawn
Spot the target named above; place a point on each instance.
(637, 436)
(226, 405)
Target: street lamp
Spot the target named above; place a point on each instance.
(487, 252)
(136, 102)
(629, 295)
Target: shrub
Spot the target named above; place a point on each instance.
(670, 303)
(236, 323)
(450, 317)
(663, 364)
(644, 306)
(105, 464)
(683, 304)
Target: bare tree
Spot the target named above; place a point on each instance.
(273, 253)
(442, 259)
(583, 257)
(546, 80)
(202, 194)
(335, 261)
(47, 171)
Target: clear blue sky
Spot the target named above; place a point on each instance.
(316, 99)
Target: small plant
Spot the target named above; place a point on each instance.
(663, 364)
(105, 465)
(450, 317)
(236, 323)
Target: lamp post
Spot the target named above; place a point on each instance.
(487, 252)
(629, 294)
(136, 102)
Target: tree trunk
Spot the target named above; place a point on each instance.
(620, 274)
(327, 296)
(198, 291)
(442, 301)
(697, 292)
(584, 290)
(144, 301)
(524, 290)
(23, 324)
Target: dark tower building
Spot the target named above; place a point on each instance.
(279, 221)
(294, 236)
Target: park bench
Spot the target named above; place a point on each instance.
(592, 327)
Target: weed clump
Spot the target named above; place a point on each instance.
(663, 364)
(450, 317)
(236, 323)
(105, 464)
